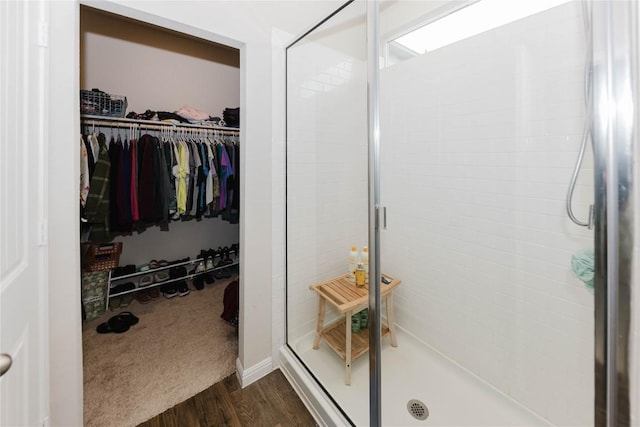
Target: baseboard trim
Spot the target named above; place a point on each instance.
(321, 408)
(253, 373)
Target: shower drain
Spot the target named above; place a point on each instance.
(418, 409)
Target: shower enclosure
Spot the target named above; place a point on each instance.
(443, 136)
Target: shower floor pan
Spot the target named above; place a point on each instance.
(453, 396)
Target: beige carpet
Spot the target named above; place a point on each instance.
(180, 347)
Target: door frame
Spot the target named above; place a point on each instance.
(65, 333)
(615, 139)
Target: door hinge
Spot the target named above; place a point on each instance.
(43, 34)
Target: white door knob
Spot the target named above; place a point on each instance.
(5, 363)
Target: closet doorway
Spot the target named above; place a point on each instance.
(144, 87)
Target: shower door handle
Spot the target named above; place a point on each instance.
(384, 217)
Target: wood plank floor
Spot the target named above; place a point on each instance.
(269, 401)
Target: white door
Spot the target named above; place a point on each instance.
(23, 387)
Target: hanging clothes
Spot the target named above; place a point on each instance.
(235, 202)
(181, 172)
(226, 170)
(170, 161)
(91, 158)
(134, 183)
(163, 184)
(208, 197)
(84, 173)
(122, 200)
(97, 206)
(145, 185)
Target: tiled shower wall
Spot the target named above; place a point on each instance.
(326, 162)
(478, 143)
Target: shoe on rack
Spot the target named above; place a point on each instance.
(217, 272)
(209, 264)
(143, 297)
(126, 300)
(161, 276)
(122, 287)
(235, 248)
(169, 291)
(146, 281)
(123, 271)
(208, 277)
(177, 272)
(114, 303)
(226, 261)
(183, 289)
(198, 282)
(154, 293)
(200, 267)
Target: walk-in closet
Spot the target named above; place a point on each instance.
(159, 193)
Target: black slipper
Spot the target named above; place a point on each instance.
(118, 324)
(128, 317)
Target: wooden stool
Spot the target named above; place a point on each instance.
(348, 299)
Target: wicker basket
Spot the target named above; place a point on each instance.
(103, 256)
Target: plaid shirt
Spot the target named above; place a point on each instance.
(97, 207)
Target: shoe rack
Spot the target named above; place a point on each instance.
(135, 277)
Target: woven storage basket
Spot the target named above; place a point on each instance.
(103, 256)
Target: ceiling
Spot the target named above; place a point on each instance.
(292, 16)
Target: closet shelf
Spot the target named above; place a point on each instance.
(148, 124)
(144, 288)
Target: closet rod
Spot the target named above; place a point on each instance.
(149, 124)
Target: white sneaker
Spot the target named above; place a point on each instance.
(200, 267)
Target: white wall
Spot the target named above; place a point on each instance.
(154, 68)
(478, 143)
(184, 239)
(326, 160)
(65, 335)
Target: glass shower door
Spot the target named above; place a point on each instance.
(481, 124)
(326, 194)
